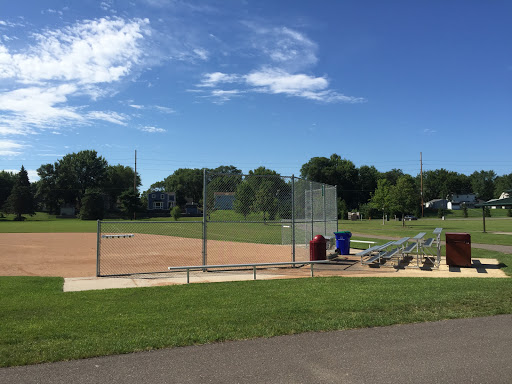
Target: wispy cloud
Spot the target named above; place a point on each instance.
(67, 63)
(275, 81)
(150, 129)
(281, 55)
(10, 148)
(111, 117)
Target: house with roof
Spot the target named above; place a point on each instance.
(161, 201)
(224, 200)
(458, 201)
(437, 204)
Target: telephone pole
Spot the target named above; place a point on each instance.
(421, 182)
(135, 181)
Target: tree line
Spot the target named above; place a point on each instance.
(86, 181)
(82, 180)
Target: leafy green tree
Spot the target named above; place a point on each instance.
(176, 213)
(222, 179)
(244, 199)
(502, 184)
(342, 209)
(48, 192)
(185, 182)
(21, 199)
(334, 171)
(368, 177)
(380, 199)
(483, 184)
(403, 197)
(441, 183)
(93, 205)
(67, 179)
(393, 175)
(130, 203)
(7, 180)
(119, 179)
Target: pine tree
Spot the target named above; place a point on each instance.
(21, 199)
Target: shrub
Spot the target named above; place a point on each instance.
(176, 213)
(509, 212)
(487, 212)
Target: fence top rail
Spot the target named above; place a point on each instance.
(248, 265)
(150, 222)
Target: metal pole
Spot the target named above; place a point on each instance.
(98, 234)
(135, 181)
(421, 177)
(325, 217)
(205, 217)
(483, 216)
(312, 215)
(293, 217)
(336, 205)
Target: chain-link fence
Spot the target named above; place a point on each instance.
(247, 219)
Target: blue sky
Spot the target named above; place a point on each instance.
(192, 84)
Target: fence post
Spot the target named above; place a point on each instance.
(336, 205)
(98, 234)
(293, 218)
(205, 217)
(325, 215)
(312, 213)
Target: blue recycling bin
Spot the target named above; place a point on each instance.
(343, 242)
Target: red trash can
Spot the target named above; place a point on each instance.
(458, 249)
(317, 248)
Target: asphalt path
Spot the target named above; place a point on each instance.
(475, 350)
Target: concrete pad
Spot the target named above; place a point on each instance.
(74, 284)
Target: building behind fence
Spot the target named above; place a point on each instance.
(247, 219)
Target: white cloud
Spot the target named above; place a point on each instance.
(275, 81)
(215, 78)
(10, 148)
(137, 106)
(92, 52)
(201, 53)
(111, 117)
(164, 109)
(150, 129)
(285, 47)
(221, 96)
(78, 60)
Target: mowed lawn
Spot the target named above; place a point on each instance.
(41, 323)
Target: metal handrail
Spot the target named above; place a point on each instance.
(253, 265)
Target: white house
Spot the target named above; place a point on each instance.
(504, 195)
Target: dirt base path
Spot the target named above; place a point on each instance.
(48, 254)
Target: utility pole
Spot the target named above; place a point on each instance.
(135, 181)
(421, 182)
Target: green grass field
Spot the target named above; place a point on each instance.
(40, 323)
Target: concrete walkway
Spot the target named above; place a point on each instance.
(475, 350)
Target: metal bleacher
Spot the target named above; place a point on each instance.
(407, 247)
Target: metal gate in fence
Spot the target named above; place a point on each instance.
(247, 219)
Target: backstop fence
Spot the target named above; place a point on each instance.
(247, 219)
